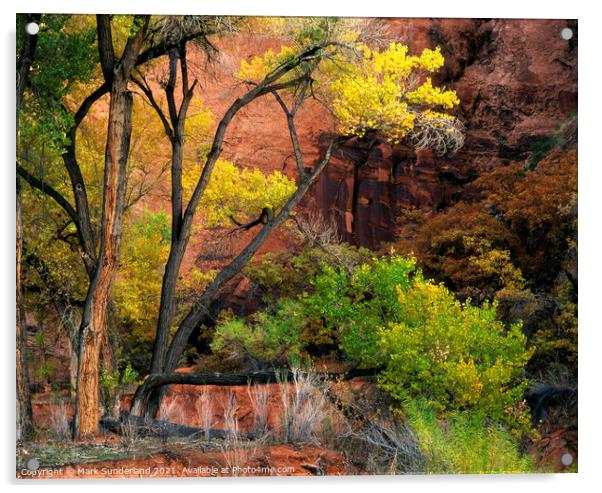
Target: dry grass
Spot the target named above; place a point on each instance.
(259, 395)
(304, 409)
(235, 451)
(173, 412)
(204, 410)
(59, 420)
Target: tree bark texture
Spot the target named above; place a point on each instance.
(94, 326)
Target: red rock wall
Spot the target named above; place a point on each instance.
(517, 81)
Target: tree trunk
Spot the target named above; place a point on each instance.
(94, 326)
(95, 320)
(174, 262)
(24, 413)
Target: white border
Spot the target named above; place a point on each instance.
(590, 185)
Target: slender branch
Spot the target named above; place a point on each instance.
(50, 191)
(183, 69)
(171, 87)
(290, 120)
(86, 104)
(265, 87)
(129, 56)
(264, 217)
(106, 52)
(143, 85)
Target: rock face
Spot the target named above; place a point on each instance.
(517, 82)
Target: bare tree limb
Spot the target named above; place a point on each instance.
(50, 191)
(290, 120)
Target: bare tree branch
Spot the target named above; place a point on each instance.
(50, 191)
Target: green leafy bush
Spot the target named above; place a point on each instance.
(384, 313)
(456, 356)
(352, 306)
(273, 338)
(465, 443)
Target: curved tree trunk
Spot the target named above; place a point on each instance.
(148, 405)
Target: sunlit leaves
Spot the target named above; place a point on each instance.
(384, 91)
(137, 291)
(454, 355)
(373, 90)
(241, 193)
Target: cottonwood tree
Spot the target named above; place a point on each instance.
(99, 249)
(369, 91)
(317, 54)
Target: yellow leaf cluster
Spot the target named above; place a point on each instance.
(259, 66)
(381, 93)
(239, 192)
(429, 95)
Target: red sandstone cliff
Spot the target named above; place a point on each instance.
(517, 81)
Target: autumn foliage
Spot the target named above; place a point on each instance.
(517, 244)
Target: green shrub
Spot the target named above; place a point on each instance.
(385, 314)
(283, 275)
(465, 443)
(352, 306)
(266, 337)
(456, 356)
(112, 384)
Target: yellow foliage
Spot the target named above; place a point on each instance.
(137, 290)
(239, 192)
(429, 95)
(260, 66)
(368, 90)
(379, 93)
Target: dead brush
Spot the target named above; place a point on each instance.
(382, 443)
(129, 433)
(59, 420)
(259, 396)
(173, 412)
(303, 408)
(204, 411)
(235, 451)
(384, 447)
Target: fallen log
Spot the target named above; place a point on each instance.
(144, 427)
(154, 381)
